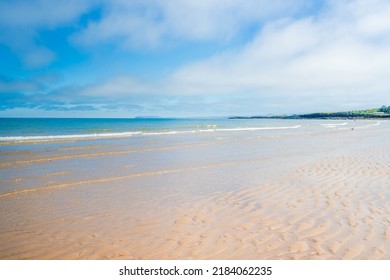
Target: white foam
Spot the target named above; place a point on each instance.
(250, 128)
(66, 137)
(377, 123)
(46, 138)
(332, 125)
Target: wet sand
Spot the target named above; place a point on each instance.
(294, 194)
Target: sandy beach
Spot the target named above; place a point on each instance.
(291, 194)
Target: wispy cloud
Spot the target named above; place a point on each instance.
(152, 23)
(339, 57)
(325, 53)
(21, 21)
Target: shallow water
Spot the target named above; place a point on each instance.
(81, 196)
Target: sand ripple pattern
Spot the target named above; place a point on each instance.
(315, 212)
(333, 206)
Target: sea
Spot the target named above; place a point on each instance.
(19, 130)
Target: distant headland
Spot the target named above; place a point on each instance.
(375, 113)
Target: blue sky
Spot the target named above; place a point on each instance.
(177, 58)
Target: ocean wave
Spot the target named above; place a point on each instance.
(377, 123)
(66, 137)
(47, 138)
(332, 125)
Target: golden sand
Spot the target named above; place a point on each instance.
(333, 204)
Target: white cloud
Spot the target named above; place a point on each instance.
(39, 13)
(152, 23)
(336, 59)
(21, 21)
(338, 56)
(328, 55)
(119, 87)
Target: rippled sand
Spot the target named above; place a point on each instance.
(304, 194)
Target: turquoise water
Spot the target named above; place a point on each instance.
(41, 129)
(52, 126)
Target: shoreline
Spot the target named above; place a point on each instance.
(310, 118)
(291, 194)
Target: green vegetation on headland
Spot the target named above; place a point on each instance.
(376, 113)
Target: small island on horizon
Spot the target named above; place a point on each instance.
(375, 113)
